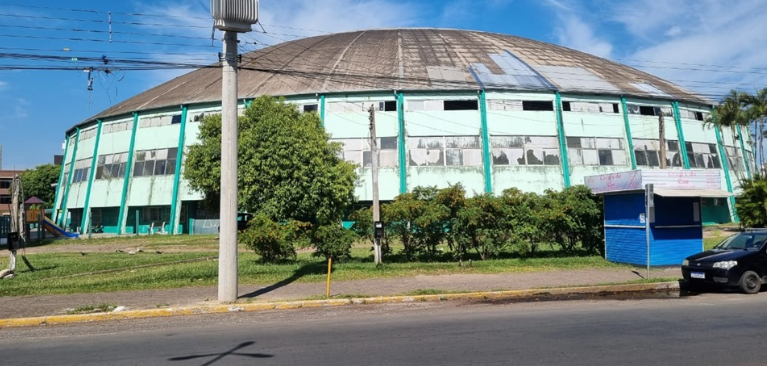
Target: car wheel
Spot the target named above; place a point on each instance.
(750, 282)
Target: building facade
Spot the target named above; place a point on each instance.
(486, 110)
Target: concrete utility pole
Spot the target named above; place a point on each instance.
(231, 17)
(227, 257)
(662, 141)
(374, 173)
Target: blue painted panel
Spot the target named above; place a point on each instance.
(624, 209)
(626, 245)
(675, 211)
(672, 246)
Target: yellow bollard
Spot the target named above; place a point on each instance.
(330, 265)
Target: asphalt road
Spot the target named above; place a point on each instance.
(710, 329)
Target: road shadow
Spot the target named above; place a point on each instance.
(305, 270)
(218, 356)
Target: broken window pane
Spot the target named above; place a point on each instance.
(453, 157)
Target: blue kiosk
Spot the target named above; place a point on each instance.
(655, 214)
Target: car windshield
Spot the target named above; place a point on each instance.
(743, 241)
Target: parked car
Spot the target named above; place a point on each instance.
(739, 261)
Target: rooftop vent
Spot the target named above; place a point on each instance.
(234, 15)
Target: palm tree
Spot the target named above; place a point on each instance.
(730, 113)
(756, 110)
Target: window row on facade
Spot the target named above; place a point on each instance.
(534, 150)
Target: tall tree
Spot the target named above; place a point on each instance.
(731, 113)
(756, 110)
(39, 182)
(288, 168)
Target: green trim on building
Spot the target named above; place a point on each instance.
(69, 179)
(129, 166)
(562, 141)
(402, 151)
(322, 109)
(54, 214)
(248, 102)
(630, 140)
(680, 133)
(177, 176)
(94, 160)
(743, 151)
(723, 159)
(485, 142)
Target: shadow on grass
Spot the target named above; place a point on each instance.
(305, 270)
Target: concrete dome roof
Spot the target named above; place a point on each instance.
(422, 59)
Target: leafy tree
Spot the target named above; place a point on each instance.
(752, 202)
(288, 169)
(37, 182)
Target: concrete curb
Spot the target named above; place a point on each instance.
(285, 305)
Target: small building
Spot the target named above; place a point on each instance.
(6, 180)
(664, 221)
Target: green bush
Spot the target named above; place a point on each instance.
(752, 202)
(333, 241)
(274, 241)
(480, 226)
(419, 221)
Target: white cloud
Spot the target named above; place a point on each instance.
(578, 35)
(283, 20)
(674, 31)
(20, 109)
(720, 48)
(575, 32)
(3, 84)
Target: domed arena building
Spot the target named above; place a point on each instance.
(489, 111)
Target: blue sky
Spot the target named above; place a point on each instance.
(708, 46)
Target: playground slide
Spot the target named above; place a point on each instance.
(57, 231)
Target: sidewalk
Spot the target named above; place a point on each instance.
(47, 305)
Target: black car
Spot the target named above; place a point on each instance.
(738, 261)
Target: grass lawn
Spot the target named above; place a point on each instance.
(73, 272)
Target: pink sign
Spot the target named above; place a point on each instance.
(624, 181)
(660, 178)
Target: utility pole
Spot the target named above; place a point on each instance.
(374, 173)
(231, 17)
(662, 141)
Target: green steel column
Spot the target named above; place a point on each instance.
(680, 132)
(322, 109)
(562, 141)
(723, 158)
(485, 142)
(177, 176)
(69, 178)
(401, 143)
(54, 214)
(628, 133)
(743, 151)
(124, 196)
(94, 160)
